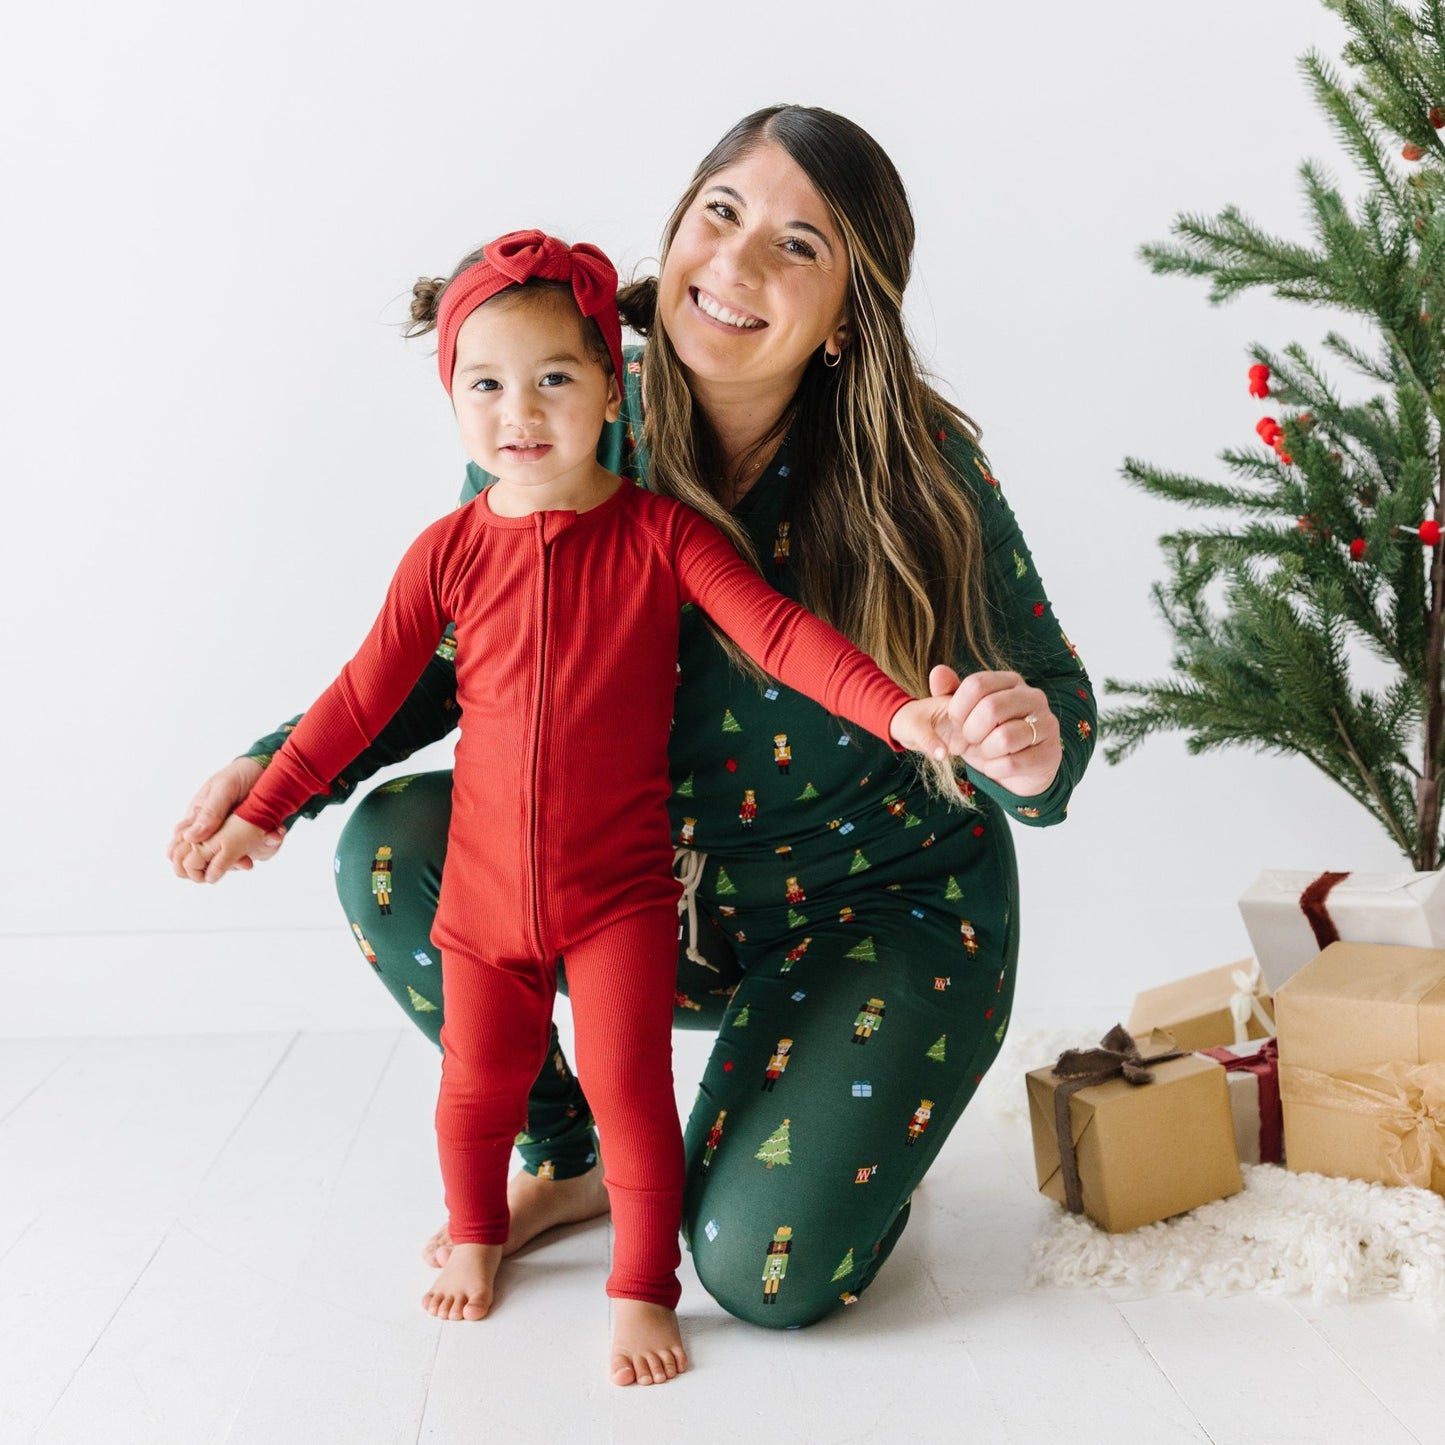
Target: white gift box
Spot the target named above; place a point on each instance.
(1244, 1105)
(1291, 917)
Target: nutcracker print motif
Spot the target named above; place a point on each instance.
(775, 1265)
(381, 878)
(714, 1138)
(782, 753)
(869, 1020)
(777, 1064)
(918, 1124)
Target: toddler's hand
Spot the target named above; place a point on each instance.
(917, 725)
(210, 858)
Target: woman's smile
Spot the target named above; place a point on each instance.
(733, 318)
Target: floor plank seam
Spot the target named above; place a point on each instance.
(1364, 1383)
(40, 1084)
(15, 1243)
(245, 1114)
(426, 1394)
(1154, 1360)
(100, 1333)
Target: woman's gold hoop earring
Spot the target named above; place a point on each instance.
(831, 358)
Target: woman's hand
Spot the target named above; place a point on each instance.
(213, 803)
(1000, 727)
(230, 846)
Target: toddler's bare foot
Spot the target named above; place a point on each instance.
(463, 1290)
(536, 1205)
(646, 1344)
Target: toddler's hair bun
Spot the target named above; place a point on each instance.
(424, 304)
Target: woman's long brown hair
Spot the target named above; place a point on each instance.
(894, 548)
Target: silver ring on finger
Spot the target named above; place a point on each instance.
(1033, 721)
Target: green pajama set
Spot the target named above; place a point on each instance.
(851, 941)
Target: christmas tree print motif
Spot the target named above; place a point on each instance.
(419, 1004)
(684, 788)
(953, 893)
(999, 1032)
(398, 785)
(1021, 568)
(859, 864)
(938, 1053)
(741, 1021)
(776, 1148)
(796, 919)
(729, 723)
(809, 791)
(864, 952)
(724, 885)
(844, 1269)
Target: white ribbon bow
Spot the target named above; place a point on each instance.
(1246, 1004)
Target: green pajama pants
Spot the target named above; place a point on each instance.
(849, 1041)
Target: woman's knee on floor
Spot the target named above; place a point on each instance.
(783, 1263)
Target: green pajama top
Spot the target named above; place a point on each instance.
(763, 778)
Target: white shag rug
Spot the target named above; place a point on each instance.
(1304, 1234)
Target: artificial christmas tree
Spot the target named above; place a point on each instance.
(1333, 537)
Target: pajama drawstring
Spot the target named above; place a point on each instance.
(687, 865)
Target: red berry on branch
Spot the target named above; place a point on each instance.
(1286, 458)
(1436, 116)
(1412, 152)
(1357, 549)
(1259, 380)
(1429, 533)
(1268, 429)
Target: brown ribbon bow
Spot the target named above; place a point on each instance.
(1117, 1056)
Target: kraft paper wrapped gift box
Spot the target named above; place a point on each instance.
(1362, 1064)
(1207, 1009)
(1290, 917)
(1144, 1151)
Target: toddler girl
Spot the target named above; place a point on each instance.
(564, 585)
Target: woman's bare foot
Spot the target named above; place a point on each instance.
(646, 1344)
(536, 1205)
(463, 1290)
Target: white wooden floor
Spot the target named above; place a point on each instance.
(214, 1239)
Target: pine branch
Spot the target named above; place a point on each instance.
(1367, 366)
(1353, 126)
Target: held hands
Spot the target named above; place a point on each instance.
(229, 847)
(998, 724)
(211, 806)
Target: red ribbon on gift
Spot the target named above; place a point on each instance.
(1265, 1065)
(1312, 904)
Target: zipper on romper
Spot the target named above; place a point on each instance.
(533, 848)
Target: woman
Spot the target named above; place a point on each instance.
(852, 926)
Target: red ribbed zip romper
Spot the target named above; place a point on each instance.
(566, 628)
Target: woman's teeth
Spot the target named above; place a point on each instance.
(721, 313)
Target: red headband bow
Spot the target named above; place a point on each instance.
(523, 256)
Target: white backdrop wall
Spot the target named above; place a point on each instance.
(216, 446)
